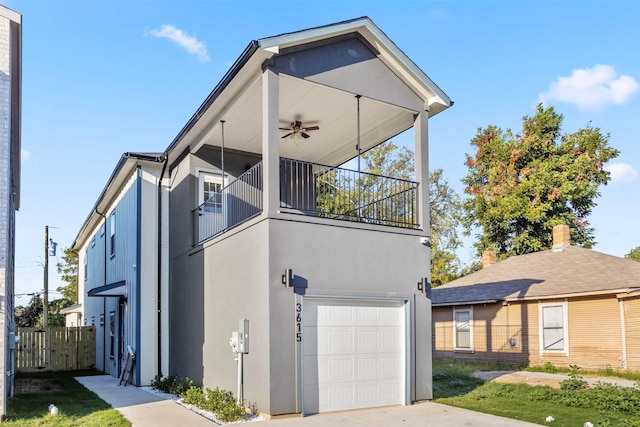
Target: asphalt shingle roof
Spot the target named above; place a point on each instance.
(572, 270)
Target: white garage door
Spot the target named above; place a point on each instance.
(353, 354)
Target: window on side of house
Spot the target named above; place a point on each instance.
(553, 328)
(112, 334)
(463, 329)
(209, 187)
(86, 266)
(112, 234)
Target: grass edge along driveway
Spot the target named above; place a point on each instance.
(77, 406)
(603, 406)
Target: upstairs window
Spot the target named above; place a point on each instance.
(112, 234)
(209, 191)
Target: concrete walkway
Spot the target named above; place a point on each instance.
(140, 407)
(145, 409)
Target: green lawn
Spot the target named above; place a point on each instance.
(77, 406)
(603, 406)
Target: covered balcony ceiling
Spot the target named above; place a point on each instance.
(333, 111)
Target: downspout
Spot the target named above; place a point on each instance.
(104, 300)
(159, 254)
(623, 330)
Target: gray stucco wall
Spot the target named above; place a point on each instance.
(329, 258)
(240, 277)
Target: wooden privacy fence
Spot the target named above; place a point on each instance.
(56, 349)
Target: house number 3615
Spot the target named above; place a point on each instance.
(298, 322)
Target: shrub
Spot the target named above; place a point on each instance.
(575, 381)
(172, 384)
(195, 396)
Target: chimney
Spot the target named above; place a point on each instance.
(561, 237)
(488, 258)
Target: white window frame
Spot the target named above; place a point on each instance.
(565, 327)
(207, 175)
(112, 234)
(455, 329)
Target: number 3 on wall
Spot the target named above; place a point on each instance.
(298, 322)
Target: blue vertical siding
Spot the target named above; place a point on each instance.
(122, 266)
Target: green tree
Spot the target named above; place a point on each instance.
(634, 254)
(445, 207)
(68, 269)
(521, 185)
(31, 315)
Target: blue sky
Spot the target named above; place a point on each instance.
(104, 77)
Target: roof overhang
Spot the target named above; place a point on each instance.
(450, 304)
(117, 289)
(237, 101)
(121, 174)
(616, 292)
(75, 308)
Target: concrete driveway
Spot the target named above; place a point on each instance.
(145, 409)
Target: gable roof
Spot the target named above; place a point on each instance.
(572, 271)
(118, 177)
(240, 89)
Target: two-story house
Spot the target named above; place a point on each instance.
(252, 215)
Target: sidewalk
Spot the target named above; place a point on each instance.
(144, 409)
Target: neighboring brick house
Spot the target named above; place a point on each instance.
(568, 305)
(10, 108)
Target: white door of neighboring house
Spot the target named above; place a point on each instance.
(354, 354)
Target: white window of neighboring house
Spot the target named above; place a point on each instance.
(554, 336)
(463, 329)
(112, 233)
(209, 186)
(86, 266)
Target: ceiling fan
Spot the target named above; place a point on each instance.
(297, 131)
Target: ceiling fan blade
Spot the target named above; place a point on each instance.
(311, 128)
(304, 135)
(290, 133)
(284, 128)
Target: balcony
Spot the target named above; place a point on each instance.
(314, 190)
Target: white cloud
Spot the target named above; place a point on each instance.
(24, 154)
(189, 42)
(621, 172)
(592, 88)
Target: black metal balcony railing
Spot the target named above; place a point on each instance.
(311, 189)
(340, 193)
(239, 201)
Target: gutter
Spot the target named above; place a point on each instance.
(449, 304)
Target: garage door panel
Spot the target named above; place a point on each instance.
(353, 354)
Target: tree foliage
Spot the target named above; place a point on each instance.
(445, 206)
(634, 254)
(31, 315)
(68, 269)
(521, 185)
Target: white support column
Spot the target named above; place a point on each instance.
(421, 140)
(270, 141)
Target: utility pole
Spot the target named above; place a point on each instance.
(45, 302)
